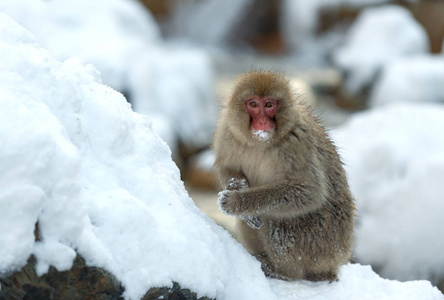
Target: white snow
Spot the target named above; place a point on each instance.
(300, 18)
(394, 157)
(76, 159)
(121, 39)
(378, 36)
(174, 87)
(412, 79)
(262, 135)
(106, 33)
(205, 160)
(207, 22)
(352, 278)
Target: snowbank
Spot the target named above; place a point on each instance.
(176, 91)
(413, 79)
(300, 18)
(207, 22)
(108, 34)
(355, 282)
(99, 182)
(121, 39)
(76, 159)
(378, 36)
(394, 158)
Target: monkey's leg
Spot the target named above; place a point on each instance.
(268, 269)
(322, 276)
(249, 237)
(266, 266)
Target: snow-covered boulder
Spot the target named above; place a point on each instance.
(76, 159)
(209, 22)
(394, 158)
(300, 19)
(174, 87)
(122, 40)
(378, 36)
(105, 33)
(412, 79)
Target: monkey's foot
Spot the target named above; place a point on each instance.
(268, 270)
(264, 265)
(254, 222)
(323, 276)
(275, 275)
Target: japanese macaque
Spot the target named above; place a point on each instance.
(283, 179)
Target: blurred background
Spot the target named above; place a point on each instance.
(373, 70)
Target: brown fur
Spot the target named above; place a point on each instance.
(295, 185)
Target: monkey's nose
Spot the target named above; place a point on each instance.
(262, 120)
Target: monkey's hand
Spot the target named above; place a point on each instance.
(237, 184)
(254, 222)
(228, 202)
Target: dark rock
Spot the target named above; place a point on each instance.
(174, 293)
(80, 283)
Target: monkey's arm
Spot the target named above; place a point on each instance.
(231, 180)
(279, 199)
(236, 181)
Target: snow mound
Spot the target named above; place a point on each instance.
(378, 36)
(394, 158)
(76, 159)
(122, 40)
(300, 18)
(99, 182)
(413, 79)
(351, 278)
(108, 34)
(174, 88)
(218, 18)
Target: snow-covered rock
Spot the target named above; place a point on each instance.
(378, 36)
(174, 87)
(76, 159)
(300, 18)
(394, 158)
(206, 22)
(121, 39)
(412, 79)
(105, 33)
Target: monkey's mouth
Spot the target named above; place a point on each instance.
(262, 135)
(266, 125)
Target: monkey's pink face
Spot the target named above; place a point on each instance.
(262, 112)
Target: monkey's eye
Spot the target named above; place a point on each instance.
(253, 104)
(268, 104)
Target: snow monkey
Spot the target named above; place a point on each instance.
(283, 180)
